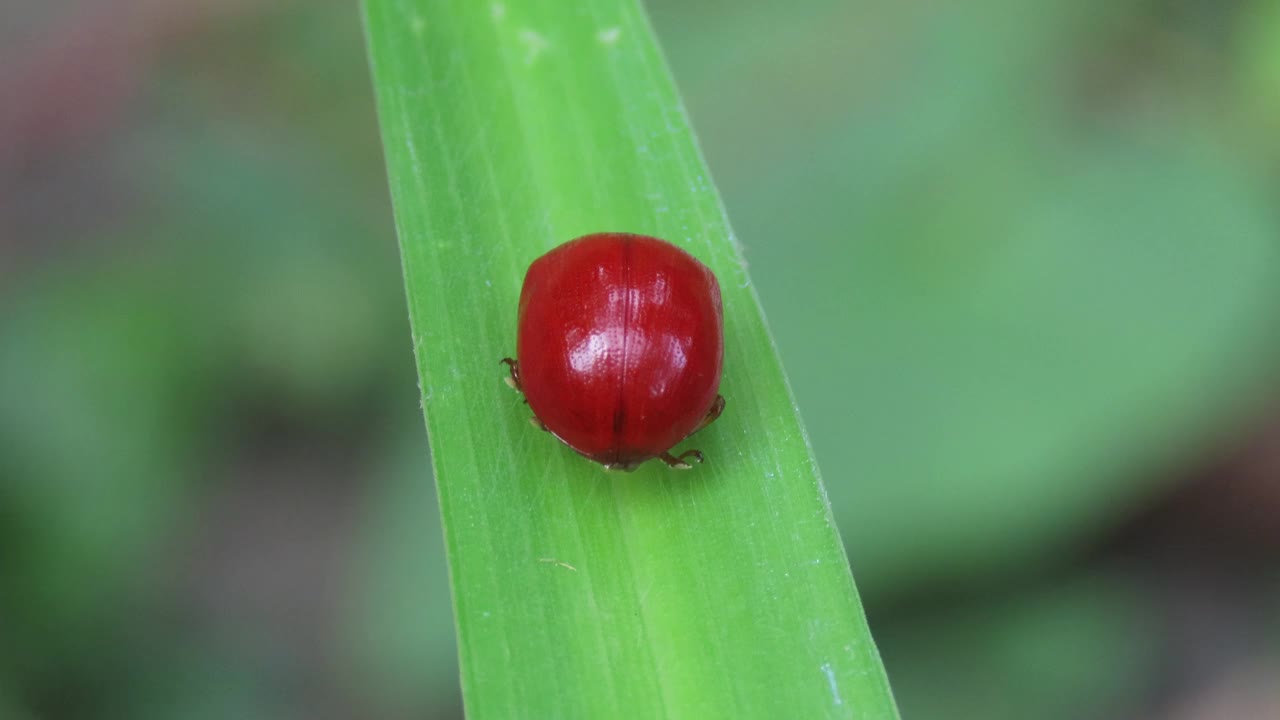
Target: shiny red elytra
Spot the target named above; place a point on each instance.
(619, 348)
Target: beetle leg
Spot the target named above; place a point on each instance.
(534, 421)
(514, 380)
(680, 462)
(717, 407)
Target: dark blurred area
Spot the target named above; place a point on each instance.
(1021, 258)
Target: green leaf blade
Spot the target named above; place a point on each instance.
(722, 592)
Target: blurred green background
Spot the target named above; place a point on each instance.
(1021, 257)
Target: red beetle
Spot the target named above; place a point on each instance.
(619, 349)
